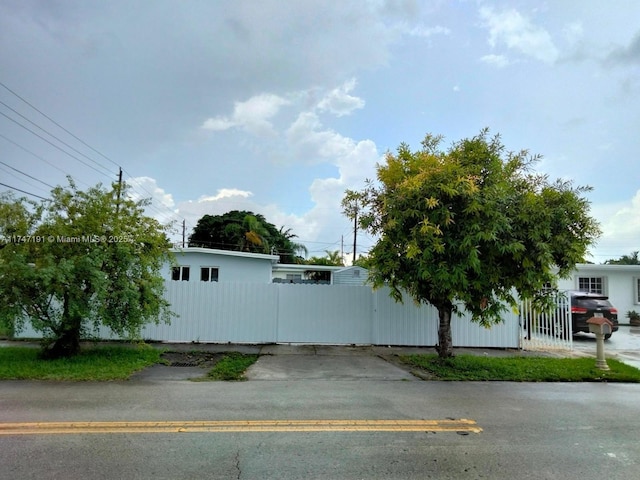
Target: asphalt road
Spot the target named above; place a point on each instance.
(528, 431)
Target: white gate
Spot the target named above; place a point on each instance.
(546, 329)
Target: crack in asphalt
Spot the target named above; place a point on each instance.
(237, 464)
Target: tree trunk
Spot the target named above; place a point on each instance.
(65, 346)
(445, 344)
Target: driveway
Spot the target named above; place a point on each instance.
(624, 345)
(312, 362)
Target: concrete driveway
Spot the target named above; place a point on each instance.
(314, 362)
(624, 345)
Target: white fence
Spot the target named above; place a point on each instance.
(547, 329)
(290, 313)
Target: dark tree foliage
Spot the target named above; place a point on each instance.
(625, 260)
(245, 231)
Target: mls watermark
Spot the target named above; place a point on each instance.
(67, 239)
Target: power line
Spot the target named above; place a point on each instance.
(58, 125)
(52, 144)
(38, 156)
(23, 191)
(171, 215)
(25, 174)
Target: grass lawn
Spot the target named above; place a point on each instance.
(231, 367)
(520, 369)
(93, 364)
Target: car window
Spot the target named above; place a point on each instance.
(592, 303)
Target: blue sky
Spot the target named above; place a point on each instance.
(279, 106)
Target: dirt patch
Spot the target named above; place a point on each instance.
(191, 359)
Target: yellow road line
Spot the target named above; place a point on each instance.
(461, 425)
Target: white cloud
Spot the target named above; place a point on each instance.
(225, 193)
(573, 32)
(311, 144)
(146, 187)
(426, 32)
(620, 224)
(518, 33)
(339, 102)
(252, 115)
(499, 61)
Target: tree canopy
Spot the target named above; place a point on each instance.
(625, 260)
(78, 261)
(248, 232)
(471, 227)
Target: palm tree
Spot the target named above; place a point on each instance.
(289, 245)
(255, 236)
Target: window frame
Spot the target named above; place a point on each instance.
(209, 269)
(182, 270)
(592, 282)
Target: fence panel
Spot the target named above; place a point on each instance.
(403, 323)
(293, 313)
(219, 313)
(324, 314)
(466, 333)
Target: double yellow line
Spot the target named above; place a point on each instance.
(59, 428)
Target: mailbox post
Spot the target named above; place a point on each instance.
(601, 327)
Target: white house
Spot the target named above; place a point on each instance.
(195, 264)
(621, 283)
(319, 274)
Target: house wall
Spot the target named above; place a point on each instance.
(231, 268)
(356, 276)
(620, 284)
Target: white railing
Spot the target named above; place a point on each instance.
(543, 329)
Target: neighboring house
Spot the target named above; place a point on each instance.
(195, 264)
(319, 274)
(621, 283)
(354, 275)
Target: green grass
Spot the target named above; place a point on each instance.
(231, 367)
(521, 369)
(5, 332)
(93, 364)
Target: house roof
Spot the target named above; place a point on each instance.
(295, 267)
(581, 267)
(228, 253)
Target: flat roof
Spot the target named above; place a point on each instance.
(294, 267)
(229, 253)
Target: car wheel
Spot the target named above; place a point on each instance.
(607, 336)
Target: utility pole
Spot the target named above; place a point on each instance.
(342, 246)
(355, 232)
(184, 227)
(119, 189)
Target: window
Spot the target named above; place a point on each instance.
(180, 273)
(636, 283)
(208, 274)
(294, 277)
(591, 284)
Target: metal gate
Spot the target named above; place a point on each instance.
(549, 328)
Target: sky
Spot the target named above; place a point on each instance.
(278, 107)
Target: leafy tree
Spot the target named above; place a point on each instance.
(245, 231)
(331, 258)
(625, 260)
(80, 260)
(471, 227)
